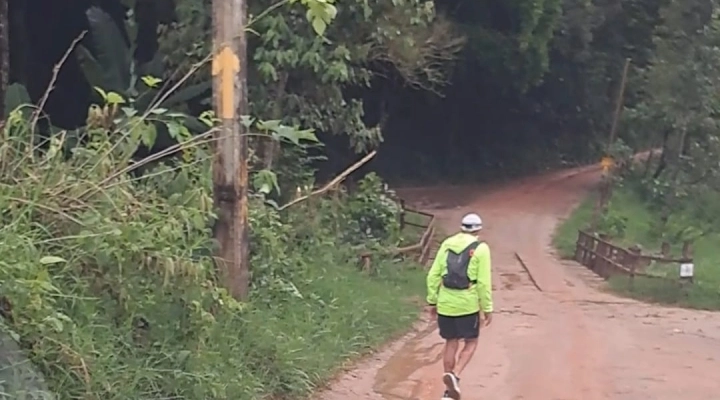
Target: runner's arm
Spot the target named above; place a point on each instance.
(484, 277)
(434, 276)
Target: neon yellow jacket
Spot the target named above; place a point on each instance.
(453, 303)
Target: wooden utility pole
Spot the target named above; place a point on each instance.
(618, 106)
(230, 164)
(607, 161)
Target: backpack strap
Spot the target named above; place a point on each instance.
(472, 246)
(470, 249)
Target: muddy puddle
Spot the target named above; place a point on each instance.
(396, 380)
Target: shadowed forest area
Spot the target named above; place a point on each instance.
(107, 280)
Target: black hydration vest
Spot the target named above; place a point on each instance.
(457, 268)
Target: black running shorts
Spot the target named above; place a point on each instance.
(462, 327)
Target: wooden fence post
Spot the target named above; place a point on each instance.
(579, 244)
(634, 258)
(687, 265)
(687, 249)
(599, 253)
(665, 249)
(365, 262)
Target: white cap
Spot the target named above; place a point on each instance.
(471, 223)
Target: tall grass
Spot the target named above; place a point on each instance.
(112, 290)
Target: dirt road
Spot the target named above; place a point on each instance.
(566, 341)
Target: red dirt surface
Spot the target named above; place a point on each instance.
(567, 341)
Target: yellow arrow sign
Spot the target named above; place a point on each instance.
(226, 64)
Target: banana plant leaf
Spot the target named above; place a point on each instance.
(111, 51)
(16, 95)
(186, 94)
(92, 69)
(145, 100)
(165, 140)
(154, 67)
(194, 125)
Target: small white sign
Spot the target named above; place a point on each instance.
(687, 270)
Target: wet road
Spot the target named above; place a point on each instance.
(566, 340)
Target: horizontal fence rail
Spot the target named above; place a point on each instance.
(607, 259)
(422, 248)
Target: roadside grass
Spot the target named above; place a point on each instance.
(566, 233)
(300, 328)
(344, 315)
(665, 288)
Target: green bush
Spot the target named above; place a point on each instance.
(374, 210)
(114, 292)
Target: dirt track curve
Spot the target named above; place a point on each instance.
(567, 341)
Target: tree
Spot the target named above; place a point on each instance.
(681, 110)
(300, 78)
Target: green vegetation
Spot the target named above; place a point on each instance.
(638, 224)
(567, 232)
(115, 295)
(628, 221)
(447, 88)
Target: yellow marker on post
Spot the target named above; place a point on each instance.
(226, 64)
(606, 163)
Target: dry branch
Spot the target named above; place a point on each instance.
(333, 182)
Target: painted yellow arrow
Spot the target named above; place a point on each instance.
(226, 64)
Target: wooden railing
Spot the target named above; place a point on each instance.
(422, 248)
(607, 259)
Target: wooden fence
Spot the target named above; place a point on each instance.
(607, 259)
(424, 246)
(410, 218)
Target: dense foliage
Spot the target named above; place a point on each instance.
(535, 86)
(110, 284)
(449, 88)
(679, 112)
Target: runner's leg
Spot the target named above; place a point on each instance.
(450, 354)
(449, 331)
(469, 329)
(466, 355)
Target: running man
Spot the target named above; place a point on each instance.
(459, 286)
